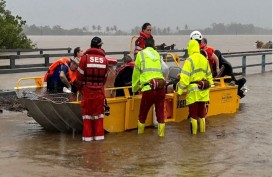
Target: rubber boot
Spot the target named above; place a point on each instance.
(202, 125)
(161, 129)
(141, 127)
(193, 126)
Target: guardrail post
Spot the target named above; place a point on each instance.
(244, 65)
(41, 52)
(46, 59)
(263, 63)
(69, 50)
(164, 55)
(125, 53)
(12, 61)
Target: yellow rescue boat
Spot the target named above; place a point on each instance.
(62, 112)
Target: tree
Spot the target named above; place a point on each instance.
(107, 29)
(98, 28)
(11, 30)
(94, 27)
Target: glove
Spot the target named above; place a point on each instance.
(66, 90)
(106, 110)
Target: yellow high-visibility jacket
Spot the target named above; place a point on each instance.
(147, 67)
(195, 68)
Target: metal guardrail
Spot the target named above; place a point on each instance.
(244, 55)
(41, 51)
(15, 68)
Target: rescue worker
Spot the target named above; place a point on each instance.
(91, 77)
(148, 77)
(143, 35)
(208, 52)
(196, 77)
(61, 75)
(124, 75)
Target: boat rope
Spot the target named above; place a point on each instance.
(54, 99)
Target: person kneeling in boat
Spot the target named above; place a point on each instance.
(148, 77)
(196, 77)
(91, 77)
(61, 76)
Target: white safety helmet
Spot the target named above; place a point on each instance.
(196, 35)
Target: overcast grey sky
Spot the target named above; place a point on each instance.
(126, 14)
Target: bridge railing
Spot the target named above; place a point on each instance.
(9, 58)
(244, 55)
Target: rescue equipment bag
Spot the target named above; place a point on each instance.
(157, 83)
(202, 84)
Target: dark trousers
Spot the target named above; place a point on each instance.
(197, 109)
(149, 98)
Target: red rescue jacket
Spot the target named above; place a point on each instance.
(140, 42)
(93, 67)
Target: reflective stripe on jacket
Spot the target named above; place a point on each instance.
(147, 67)
(93, 67)
(195, 68)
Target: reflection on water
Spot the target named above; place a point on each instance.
(234, 145)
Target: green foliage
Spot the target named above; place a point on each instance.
(11, 27)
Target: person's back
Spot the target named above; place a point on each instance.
(54, 83)
(148, 77)
(91, 77)
(94, 64)
(52, 77)
(195, 62)
(196, 77)
(124, 75)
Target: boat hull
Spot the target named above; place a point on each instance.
(65, 115)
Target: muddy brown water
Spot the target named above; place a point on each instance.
(237, 144)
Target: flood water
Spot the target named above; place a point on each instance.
(237, 144)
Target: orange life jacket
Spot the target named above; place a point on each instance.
(62, 61)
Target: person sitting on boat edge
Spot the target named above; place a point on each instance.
(148, 77)
(61, 75)
(91, 77)
(227, 70)
(143, 35)
(196, 77)
(215, 57)
(124, 75)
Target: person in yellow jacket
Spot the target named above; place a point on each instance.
(196, 77)
(148, 78)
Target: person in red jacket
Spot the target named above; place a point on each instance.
(144, 34)
(213, 59)
(91, 77)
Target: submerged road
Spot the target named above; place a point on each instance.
(237, 144)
